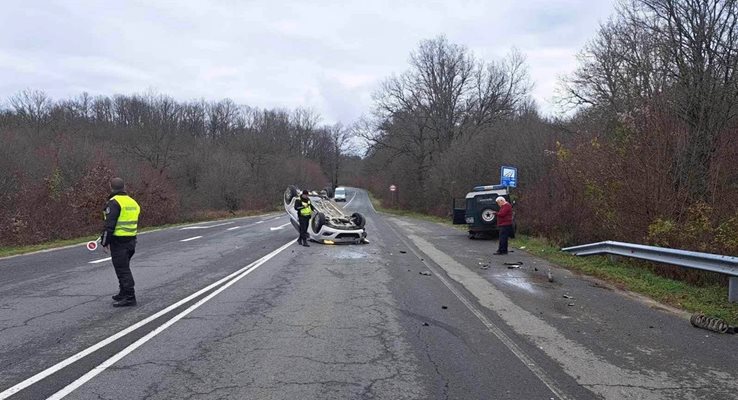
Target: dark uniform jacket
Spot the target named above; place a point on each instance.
(112, 212)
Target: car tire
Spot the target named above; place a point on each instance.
(358, 219)
(318, 222)
(488, 215)
(289, 194)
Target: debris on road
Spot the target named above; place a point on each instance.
(513, 263)
(570, 304)
(513, 266)
(444, 307)
(550, 276)
(485, 266)
(566, 296)
(718, 325)
(535, 269)
(426, 273)
(522, 247)
(403, 251)
(426, 324)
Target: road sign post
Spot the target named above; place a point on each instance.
(509, 176)
(393, 193)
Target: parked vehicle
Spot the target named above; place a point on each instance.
(480, 211)
(328, 224)
(339, 194)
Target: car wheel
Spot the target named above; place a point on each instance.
(488, 215)
(318, 222)
(289, 194)
(358, 220)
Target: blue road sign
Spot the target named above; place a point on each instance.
(509, 176)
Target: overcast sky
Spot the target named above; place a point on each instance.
(326, 55)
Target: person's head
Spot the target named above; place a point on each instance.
(304, 195)
(500, 201)
(117, 184)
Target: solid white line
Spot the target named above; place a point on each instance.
(138, 343)
(100, 260)
(56, 367)
(260, 222)
(192, 238)
(235, 227)
(349, 202)
(274, 228)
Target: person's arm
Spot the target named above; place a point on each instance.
(505, 210)
(298, 205)
(112, 212)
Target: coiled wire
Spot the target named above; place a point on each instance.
(710, 323)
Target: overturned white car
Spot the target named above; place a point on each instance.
(328, 224)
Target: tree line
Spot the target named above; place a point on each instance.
(647, 153)
(180, 159)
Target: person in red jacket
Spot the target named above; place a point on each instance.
(504, 223)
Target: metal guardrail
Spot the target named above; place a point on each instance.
(689, 259)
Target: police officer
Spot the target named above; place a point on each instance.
(304, 210)
(119, 238)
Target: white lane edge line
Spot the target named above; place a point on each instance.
(349, 202)
(235, 227)
(138, 343)
(274, 228)
(70, 360)
(100, 260)
(192, 238)
(497, 332)
(259, 222)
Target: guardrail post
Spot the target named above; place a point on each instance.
(733, 289)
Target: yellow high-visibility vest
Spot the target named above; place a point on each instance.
(127, 224)
(306, 209)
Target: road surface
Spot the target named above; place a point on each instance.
(235, 309)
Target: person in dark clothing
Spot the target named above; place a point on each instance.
(504, 223)
(304, 211)
(119, 238)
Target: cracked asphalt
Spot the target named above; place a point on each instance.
(346, 322)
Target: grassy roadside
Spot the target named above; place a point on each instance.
(623, 273)
(16, 250)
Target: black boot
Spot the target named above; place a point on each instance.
(305, 243)
(117, 297)
(125, 301)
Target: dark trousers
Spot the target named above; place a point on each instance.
(505, 232)
(121, 252)
(304, 223)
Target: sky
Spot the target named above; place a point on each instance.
(329, 56)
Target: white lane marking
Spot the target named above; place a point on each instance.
(349, 202)
(235, 227)
(56, 367)
(204, 227)
(275, 228)
(138, 343)
(371, 204)
(192, 238)
(501, 336)
(100, 260)
(259, 222)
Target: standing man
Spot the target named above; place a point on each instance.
(304, 211)
(119, 238)
(504, 223)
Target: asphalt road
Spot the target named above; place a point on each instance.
(235, 309)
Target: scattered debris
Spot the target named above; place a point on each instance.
(513, 263)
(444, 307)
(566, 296)
(426, 273)
(536, 269)
(571, 304)
(718, 325)
(426, 324)
(522, 247)
(485, 266)
(550, 276)
(513, 266)
(403, 251)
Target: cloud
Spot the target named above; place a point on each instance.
(328, 55)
